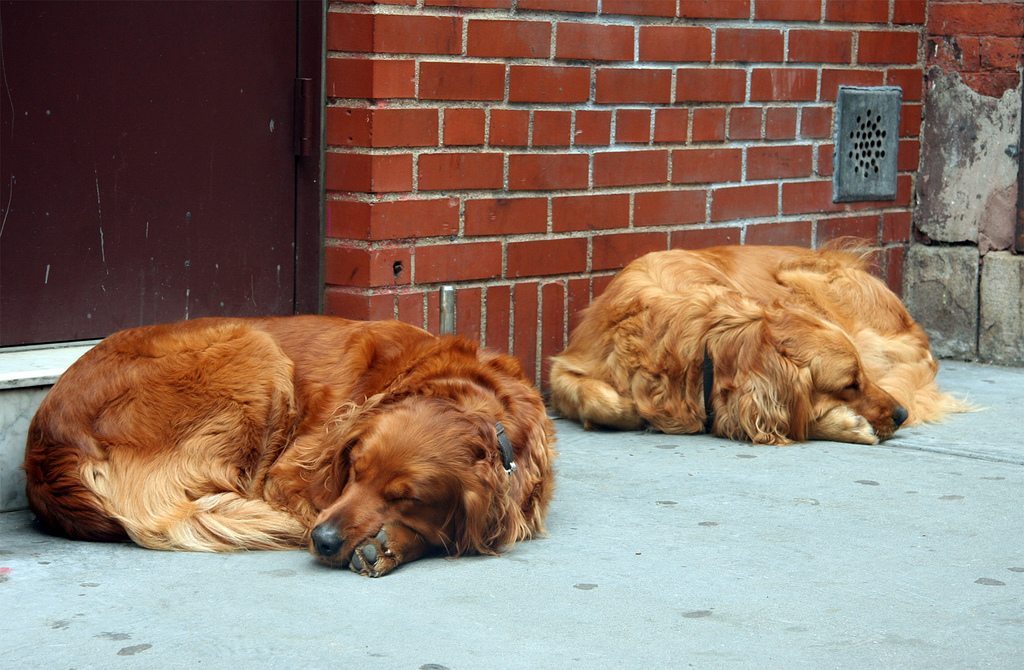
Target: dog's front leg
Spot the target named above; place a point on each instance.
(395, 544)
(842, 424)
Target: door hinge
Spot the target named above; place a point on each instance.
(304, 125)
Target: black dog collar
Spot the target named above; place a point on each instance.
(507, 455)
(709, 383)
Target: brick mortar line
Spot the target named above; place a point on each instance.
(637, 64)
(440, 194)
(559, 61)
(553, 41)
(413, 286)
(507, 239)
(630, 222)
(608, 19)
(580, 149)
(584, 106)
(462, 238)
(649, 144)
(670, 168)
(592, 103)
(538, 360)
(512, 318)
(743, 145)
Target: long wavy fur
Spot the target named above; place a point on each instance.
(226, 434)
(795, 335)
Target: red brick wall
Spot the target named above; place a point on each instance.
(980, 39)
(526, 153)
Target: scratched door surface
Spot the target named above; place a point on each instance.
(148, 171)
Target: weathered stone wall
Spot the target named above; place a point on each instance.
(963, 280)
(969, 164)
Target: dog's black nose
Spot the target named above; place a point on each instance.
(326, 539)
(899, 415)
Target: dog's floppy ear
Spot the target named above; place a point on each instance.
(493, 517)
(325, 462)
(763, 396)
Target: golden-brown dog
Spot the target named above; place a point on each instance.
(798, 345)
(370, 442)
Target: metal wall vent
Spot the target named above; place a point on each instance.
(866, 143)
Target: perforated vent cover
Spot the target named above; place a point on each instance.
(866, 143)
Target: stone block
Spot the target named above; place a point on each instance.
(17, 407)
(1001, 324)
(940, 288)
(967, 183)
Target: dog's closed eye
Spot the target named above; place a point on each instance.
(411, 499)
(401, 492)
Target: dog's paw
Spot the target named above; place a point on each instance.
(842, 424)
(373, 558)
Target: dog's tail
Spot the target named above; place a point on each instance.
(930, 405)
(910, 379)
(219, 522)
(159, 512)
(590, 401)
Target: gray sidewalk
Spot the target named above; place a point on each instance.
(662, 552)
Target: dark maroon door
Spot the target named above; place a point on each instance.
(148, 166)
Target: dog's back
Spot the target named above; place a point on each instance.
(589, 382)
(221, 434)
(675, 297)
(118, 450)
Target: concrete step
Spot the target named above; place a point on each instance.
(26, 374)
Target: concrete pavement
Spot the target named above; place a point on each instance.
(662, 552)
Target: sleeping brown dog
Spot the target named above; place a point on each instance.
(772, 345)
(371, 442)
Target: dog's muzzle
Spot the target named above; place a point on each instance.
(327, 541)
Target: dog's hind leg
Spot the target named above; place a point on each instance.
(590, 401)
